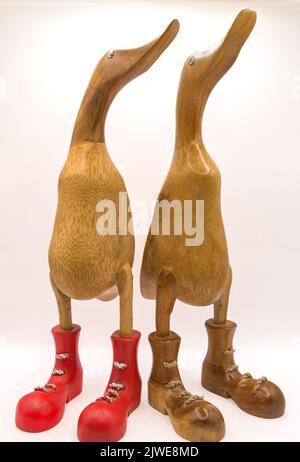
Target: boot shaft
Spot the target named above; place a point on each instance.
(66, 348)
(220, 350)
(165, 353)
(125, 361)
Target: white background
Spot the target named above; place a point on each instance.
(251, 127)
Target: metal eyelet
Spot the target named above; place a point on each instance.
(111, 54)
(191, 60)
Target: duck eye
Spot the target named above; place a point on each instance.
(111, 54)
(191, 60)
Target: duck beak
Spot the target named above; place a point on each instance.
(142, 58)
(225, 54)
(239, 32)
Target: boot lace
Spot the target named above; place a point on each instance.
(230, 369)
(112, 392)
(50, 386)
(245, 379)
(185, 395)
(46, 388)
(114, 388)
(233, 368)
(63, 356)
(228, 352)
(58, 372)
(258, 384)
(169, 365)
(120, 365)
(246, 376)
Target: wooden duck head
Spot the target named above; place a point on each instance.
(201, 71)
(113, 72)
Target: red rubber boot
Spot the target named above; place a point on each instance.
(106, 418)
(44, 407)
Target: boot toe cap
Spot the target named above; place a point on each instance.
(199, 422)
(37, 412)
(101, 422)
(210, 423)
(270, 402)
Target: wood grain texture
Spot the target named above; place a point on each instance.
(202, 273)
(83, 264)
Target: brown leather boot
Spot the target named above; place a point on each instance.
(192, 418)
(220, 375)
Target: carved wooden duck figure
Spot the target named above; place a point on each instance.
(199, 275)
(86, 263)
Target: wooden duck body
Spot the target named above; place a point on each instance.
(83, 263)
(201, 271)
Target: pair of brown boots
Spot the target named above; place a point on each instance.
(192, 417)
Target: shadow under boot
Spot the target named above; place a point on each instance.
(220, 375)
(192, 418)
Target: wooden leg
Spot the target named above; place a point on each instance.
(165, 300)
(125, 287)
(64, 307)
(221, 306)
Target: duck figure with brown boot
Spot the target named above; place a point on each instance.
(199, 275)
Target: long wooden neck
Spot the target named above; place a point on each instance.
(113, 71)
(189, 114)
(90, 121)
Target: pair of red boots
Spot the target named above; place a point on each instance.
(103, 420)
